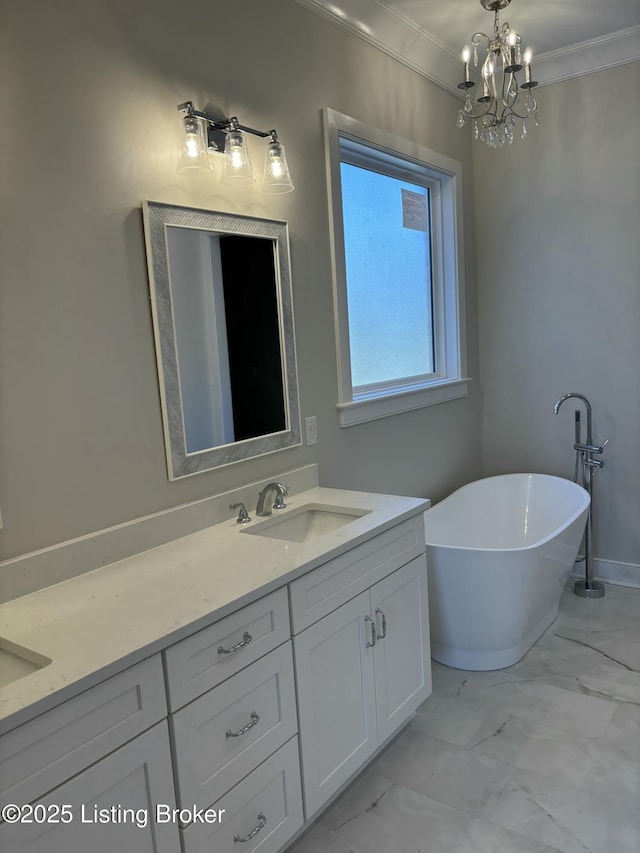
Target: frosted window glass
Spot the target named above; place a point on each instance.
(388, 271)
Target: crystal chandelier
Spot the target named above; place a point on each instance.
(495, 115)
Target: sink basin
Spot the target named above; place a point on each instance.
(306, 523)
(16, 662)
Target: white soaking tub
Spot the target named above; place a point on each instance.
(499, 552)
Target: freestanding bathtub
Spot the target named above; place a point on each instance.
(499, 552)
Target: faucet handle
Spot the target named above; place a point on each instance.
(243, 515)
(280, 495)
(589, 448)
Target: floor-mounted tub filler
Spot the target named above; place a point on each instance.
(499, 553)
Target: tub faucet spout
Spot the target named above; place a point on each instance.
(587, 404)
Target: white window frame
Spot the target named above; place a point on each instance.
(443, 175)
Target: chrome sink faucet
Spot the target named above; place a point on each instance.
(264, 507)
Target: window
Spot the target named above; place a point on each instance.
(395, 215)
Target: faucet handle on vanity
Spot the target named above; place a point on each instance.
(280, 495)
(243, 515)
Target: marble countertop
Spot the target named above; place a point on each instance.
(101, 622)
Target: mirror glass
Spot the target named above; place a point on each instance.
(223, 326)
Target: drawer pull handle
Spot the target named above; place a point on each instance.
(255, 719)
(373, 632)
(384, 623)
(262, 822)
(246, 639)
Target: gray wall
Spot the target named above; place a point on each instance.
(88, 92)
(557, 228)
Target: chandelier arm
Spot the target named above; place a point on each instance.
(528, 115)
(475, 38)
(509, 97)
(488, 111)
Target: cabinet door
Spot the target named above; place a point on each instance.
(111, 806)
(402, 651)
(336, 699)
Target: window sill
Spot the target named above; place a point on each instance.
(361, 411)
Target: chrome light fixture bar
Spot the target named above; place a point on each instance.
(496, 113)
(200, 131)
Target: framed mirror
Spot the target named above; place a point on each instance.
(223, 326)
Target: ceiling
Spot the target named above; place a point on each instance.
(569, 37)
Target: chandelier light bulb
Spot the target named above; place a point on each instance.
(466, 54)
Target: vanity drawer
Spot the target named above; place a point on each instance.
(268, 803)
(329, 586)
(258, 705)
(51, 748)
(203, 660)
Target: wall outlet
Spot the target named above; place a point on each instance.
(311, 430)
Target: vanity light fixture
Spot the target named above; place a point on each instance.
(497, 111)
(200, 130)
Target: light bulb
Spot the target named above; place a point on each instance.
(276, 171)
(512, 38)
(466, 54)
(526, 58)
(193, 151)
(237, 166)
(191, 143)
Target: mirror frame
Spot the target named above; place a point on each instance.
(157, 217)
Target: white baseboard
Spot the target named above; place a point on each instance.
(612, 571)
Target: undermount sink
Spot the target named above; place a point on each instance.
(306, 523)
(17, 661)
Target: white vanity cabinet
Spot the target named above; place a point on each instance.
(251, 721)
(364, 668)
(89, 774)
(235, 746)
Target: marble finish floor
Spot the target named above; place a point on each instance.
(541, 757)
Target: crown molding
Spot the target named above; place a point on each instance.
(396, 36)
(588, 56)
(400, 37)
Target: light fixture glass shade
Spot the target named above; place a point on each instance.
(193, 151)
(237, 165)
(276, 171)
